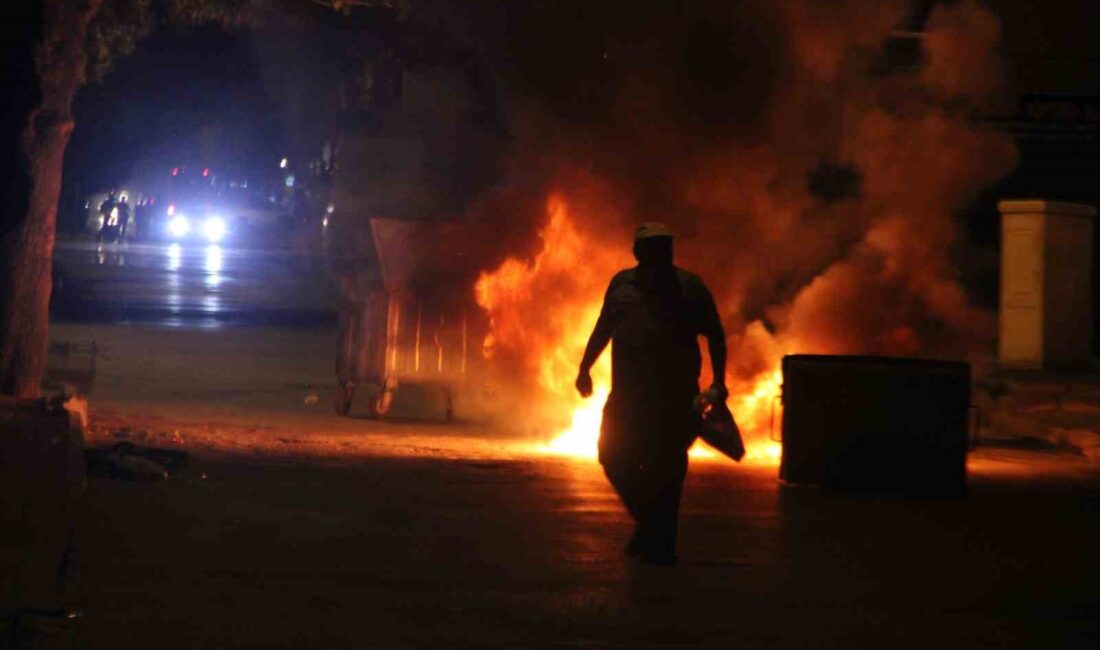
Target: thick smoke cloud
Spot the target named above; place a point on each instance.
(811, 176)
(960, 40)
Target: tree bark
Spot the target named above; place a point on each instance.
(24, 318)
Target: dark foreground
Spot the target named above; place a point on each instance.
(513, 554)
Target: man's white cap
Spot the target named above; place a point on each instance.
(652, 229)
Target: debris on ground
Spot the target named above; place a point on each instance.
(103, 432)
(1058, 409)
(126, 460)
(139, 469)
(129, 433)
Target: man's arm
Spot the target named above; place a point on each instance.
(597, 342)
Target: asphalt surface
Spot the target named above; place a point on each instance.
(251, 548)
(448, 553)
(189, 285)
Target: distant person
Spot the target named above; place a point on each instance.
(123, 217)
(105, 209)
(653, 314)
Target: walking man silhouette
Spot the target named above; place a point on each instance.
(653, 315)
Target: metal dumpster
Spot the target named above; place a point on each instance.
(409, 326)
(875, 423)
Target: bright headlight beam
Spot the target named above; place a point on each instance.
(213, 229)
(179, 226)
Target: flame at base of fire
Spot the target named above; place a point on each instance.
(581, 439)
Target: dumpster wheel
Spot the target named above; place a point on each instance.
(381, 406)
(342, 402)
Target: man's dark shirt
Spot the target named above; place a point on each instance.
(654, 318)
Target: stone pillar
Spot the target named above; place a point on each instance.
(1046, 284)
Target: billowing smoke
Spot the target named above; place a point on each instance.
(810, 157)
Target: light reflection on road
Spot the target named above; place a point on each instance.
(189, 284)
(213, 274)
(175, 255)
(213, 259)
(172, 295)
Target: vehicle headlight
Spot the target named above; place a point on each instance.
(213, 228)
(179, 226)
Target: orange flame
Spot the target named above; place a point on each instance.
(541, 313)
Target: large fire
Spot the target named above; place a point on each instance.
(821, 206)
(541, 313)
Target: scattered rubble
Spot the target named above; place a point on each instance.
(124, 460)
(1059, 411)
(103, 432)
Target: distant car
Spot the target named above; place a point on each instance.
(194, 222)
(199, 204)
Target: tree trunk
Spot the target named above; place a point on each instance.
(24, 318)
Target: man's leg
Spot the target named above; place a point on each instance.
(624, 475)
(659, 509)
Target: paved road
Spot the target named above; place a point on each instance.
(190, 285)
(437, 553)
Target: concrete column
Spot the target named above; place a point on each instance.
(1046, 284)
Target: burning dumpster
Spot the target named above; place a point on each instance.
(408, 323)
(875, 423)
